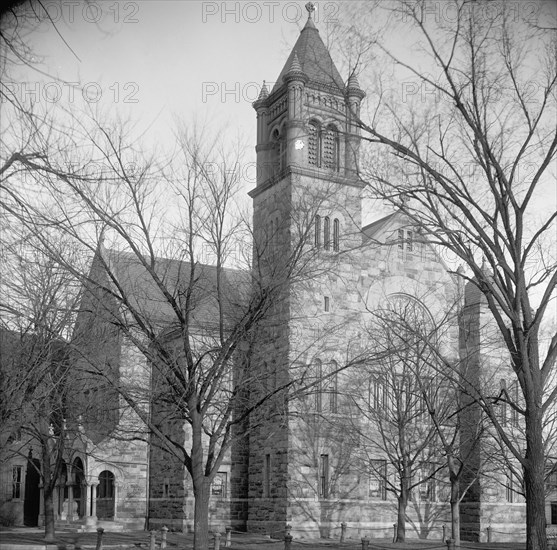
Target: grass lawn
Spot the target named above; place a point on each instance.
(25, 537)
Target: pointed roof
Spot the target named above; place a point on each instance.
(374, 228)
(313, 59)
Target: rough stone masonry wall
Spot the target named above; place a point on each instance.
(355, 282)
(267, 500)
(485, 363)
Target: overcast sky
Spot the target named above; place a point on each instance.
(161, 61)
(165, 59)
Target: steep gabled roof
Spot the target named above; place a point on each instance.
(373, 229)
(140, 288)
(314, 59)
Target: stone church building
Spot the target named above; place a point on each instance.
(317, 463)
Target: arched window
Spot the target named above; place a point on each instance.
(330, 155)
(318, 372)
(279, 151)
(105, 495)
(317, 231)
(106, 485)
(327, 234)
(314, 145)
(336, 235)
(330, 388)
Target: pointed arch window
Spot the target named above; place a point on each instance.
(317, 231)
(327, 233)
(336, 235)
(314, 144)
(331, 148)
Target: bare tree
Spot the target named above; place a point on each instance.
(39, 304)
(165, 281)
(391, 400)
(471, 164)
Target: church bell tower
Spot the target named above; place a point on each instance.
(308, 196)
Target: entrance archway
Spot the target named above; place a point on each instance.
(105, 495)
(31, 504)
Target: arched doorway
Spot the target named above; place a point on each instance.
(31, 503)
(79, 493)
(105, 495)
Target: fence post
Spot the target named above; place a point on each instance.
(444, 532)
(450, 544)
(394, 532)
(152, 542)
(342, 531)
(217, 541)
(288, 538)
(164, 531)
(100, 532)
(228, 537)
(488, 534)
(365, 543)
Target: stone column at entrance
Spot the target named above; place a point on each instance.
(115, 499)
(90, 511)
(94, 500)
(70, 502)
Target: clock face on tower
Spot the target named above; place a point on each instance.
(299, 144)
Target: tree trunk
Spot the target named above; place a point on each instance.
(201, 514)
(534, 482)
(455, 504)
(401, 517)
(455, 522)
(201, 484)
(49, 529)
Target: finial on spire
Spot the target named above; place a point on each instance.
(310, 6)
(295, 71)
(264, 91)
(295, 65)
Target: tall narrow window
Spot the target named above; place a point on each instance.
(377, 476)
(330, 388)
(327, 234)
(510, 487)
(503, 404)
(318, 371)
(267, 476)
(327, 303)
(324, 476)
(330, 148)
(106, 485)
(377, 393)
(317, 231)
(513, 397)
(336, 235)
(314, 153)
(17, 472)
(409, 241)
(401, 239)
